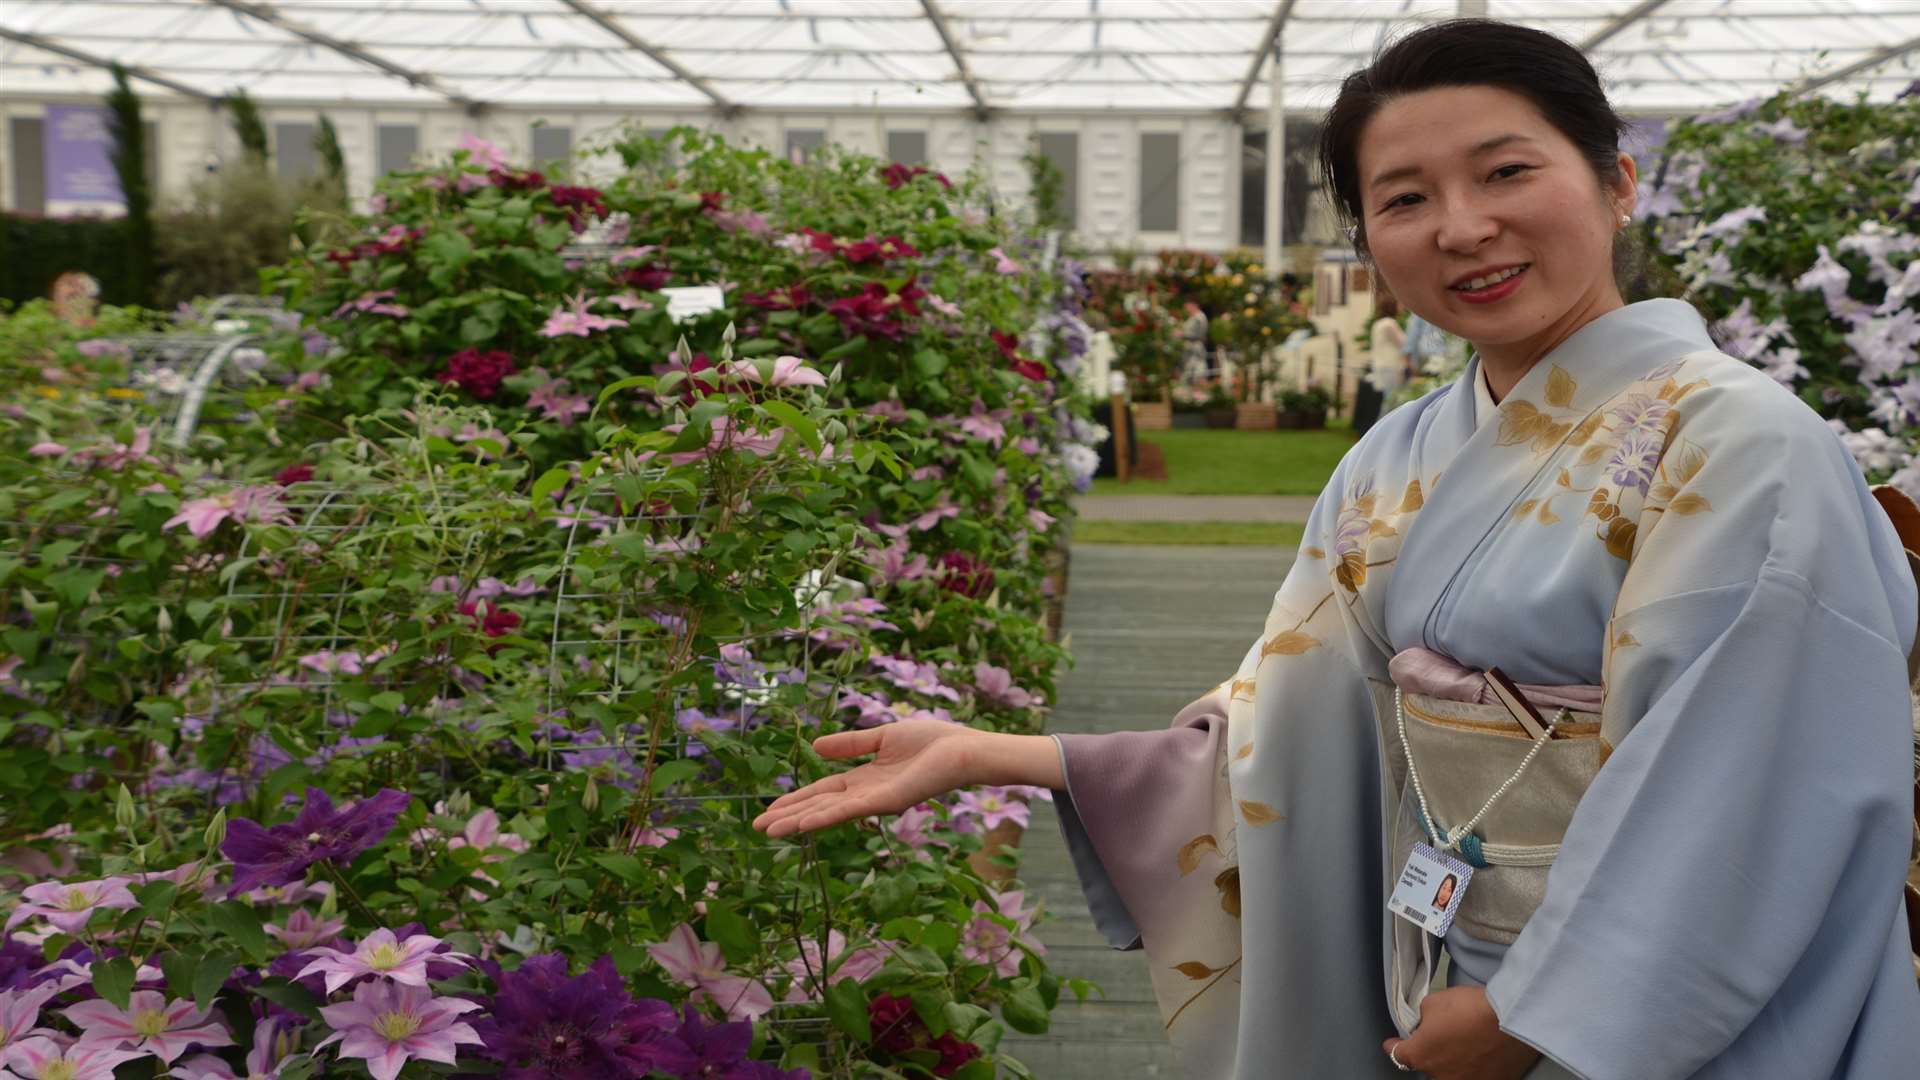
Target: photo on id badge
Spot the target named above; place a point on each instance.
(1429, 889)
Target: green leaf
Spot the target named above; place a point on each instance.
(893, 895)
(214, 971)
(179, 968)
(113, 980)
(732, 933)
(155, 897)
(289, 995)
(847, 1008)
(1025, 1011)
(550, 481)
(941, 937)
(618, 385)
(625, 867)
(928, 363)
(930, 1006)
(673, 772)
(241, 924)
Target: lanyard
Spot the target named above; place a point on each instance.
(1455, 836)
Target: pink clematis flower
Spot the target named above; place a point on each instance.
(273, 1047)
(807, 968)
(991, 807)
(118, 455)
(481, 152)
(46, 449)
(372, 303)
(69, 906)
(259, 503)
(996, 685)
(574, 318)
(787, 371)
(328, 662)
(1003, 263)
(381, 953)
(698, 964)
(68, 975)
(914, 826)
(150, 1024)
(388, 1024)
(304, 931)
(555, 403)
(19, 1010)
(986, 941)
(42, 1058)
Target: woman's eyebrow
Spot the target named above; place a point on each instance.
(1485, 146)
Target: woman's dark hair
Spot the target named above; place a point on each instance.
(1545, 70)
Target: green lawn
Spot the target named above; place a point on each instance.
(1213, 462)
(1265, 533)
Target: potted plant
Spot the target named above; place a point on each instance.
(1220, 411)
(1304, 408)
(1189, 406)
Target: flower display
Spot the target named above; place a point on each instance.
(150, 1024)
(388, 1024)
(281, 855)
(478, 373)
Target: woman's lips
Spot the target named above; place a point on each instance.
(1496, 292)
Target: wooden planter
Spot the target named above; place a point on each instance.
(1293, 419)
(1152, 416)
(1255, 416)
(1222, 418)
(1001, 837)
(1188, 418)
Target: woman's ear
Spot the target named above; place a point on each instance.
(1626, 185)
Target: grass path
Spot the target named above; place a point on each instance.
(1210, 462)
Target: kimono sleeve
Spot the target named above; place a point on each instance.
(1726, 900)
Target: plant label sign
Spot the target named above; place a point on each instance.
(693, 301)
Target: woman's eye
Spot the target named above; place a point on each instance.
(1505, 171)
(1404, 200)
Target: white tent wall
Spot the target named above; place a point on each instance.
(193, 137)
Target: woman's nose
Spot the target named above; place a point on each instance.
(1465, 228)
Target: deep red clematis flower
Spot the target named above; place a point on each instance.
(651, 276)
(1009, 345)
(490, 619)
(580, 203)
(897, 1029)
(876, 312)
(294, 474)
(825, 243)
(1032, 369)
(478, 373)
(712, 200)
(897, 175)
(510, 181)
(879, 249)
(783, 298)
(959, 572)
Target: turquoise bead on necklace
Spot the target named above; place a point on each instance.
(1469, 844)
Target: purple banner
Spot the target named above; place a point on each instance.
(80, 174)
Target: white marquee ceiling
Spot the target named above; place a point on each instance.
(1014, 55)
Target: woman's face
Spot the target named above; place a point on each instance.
(1471, 183)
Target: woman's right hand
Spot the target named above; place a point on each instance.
(914, 760)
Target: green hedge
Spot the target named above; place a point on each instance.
(35, 250)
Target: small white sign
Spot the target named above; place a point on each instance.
(1429, 890)
(692, 301)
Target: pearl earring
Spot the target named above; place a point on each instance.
(1626, 220)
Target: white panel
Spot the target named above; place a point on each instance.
(1110, 151)
(761, 130)
(1006, 171)
(953, 144)
(1209, 215)
(440, 132)
(859, 132)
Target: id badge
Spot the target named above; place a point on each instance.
(1429, 889)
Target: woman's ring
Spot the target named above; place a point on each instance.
(1393, 1055)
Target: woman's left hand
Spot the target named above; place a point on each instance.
(1459, 1038)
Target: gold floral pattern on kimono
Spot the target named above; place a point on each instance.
(1629, 440)
(1359, 524)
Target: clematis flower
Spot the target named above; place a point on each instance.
(372, 303)
(914, 826)
(490, 619)
(481, 152)
(987, 941)
(42, 1058)
(894, 563)
(304, 931)
(274, 1041)
(19, 1010)
(783, 298)
(149, 1024)
(699, 965)
(545, 1023)
(294, 474)
(380, 954)
(388, 1024)
(328, 662)
(574, 319)
(555, 403)
(920, 677)
(984, 425)
(259, 504)
(69, 906)
(1003, 263)
(46, 449)
(992, 807)
(996, 685)
(478, 373)
(281, 855)
(808, 968)
(720, 1051)
(118, 455)
(71, 974)
(961, 573)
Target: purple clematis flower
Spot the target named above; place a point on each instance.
(546, 1024)
(281, 855)
(720, 1052)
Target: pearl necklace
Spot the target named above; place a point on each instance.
(1461, 837)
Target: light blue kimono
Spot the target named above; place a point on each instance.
(1643, 514)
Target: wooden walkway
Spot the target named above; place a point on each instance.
(1152, 629)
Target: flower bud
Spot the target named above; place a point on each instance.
(163, 621)
(590, 798)
(124, 814)
(216, 833)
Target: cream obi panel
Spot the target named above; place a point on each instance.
(1464, 752)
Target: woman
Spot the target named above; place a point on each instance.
(1694, 869)
(1388, 369)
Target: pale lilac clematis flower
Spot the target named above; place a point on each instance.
(1003, 263)
(573, 318)
(919, 677)
(1827, 276)
(481, 152)
(150, 1024)
(996, 685)
(70, 974)
(381, 953)
(273, 1047)
(984, 425)
(69, 906)
(992, 806)
(914, 826)
(372, 303)
(328, 662)
(46, 449)
(698, 964)
(555, 403)
(945, 307)
(389, 1024)
(304, 930)
(628, 302)
(894, 563)
(42, 1058)
(986, 941)
(793, 371)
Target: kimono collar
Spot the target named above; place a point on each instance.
(1603, 356)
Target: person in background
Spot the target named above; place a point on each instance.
(1390, 370)
(1194, 366)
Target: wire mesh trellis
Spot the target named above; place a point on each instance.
(179, 373)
